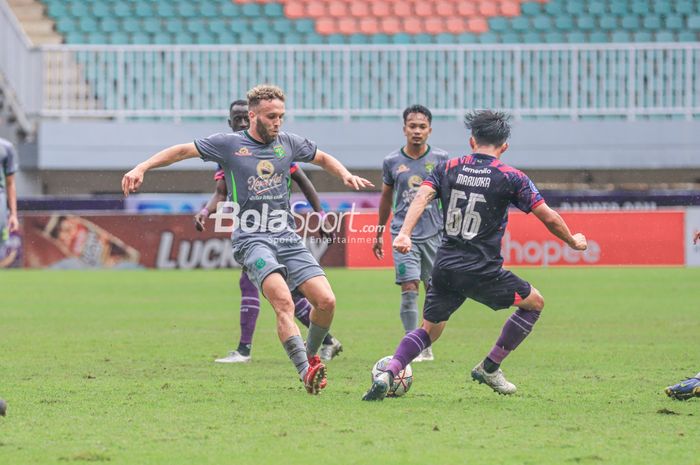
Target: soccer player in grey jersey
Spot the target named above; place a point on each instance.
(403, 172)
(250, 298)
(256, 164)
(8, 193)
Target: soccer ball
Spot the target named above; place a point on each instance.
(402, 381)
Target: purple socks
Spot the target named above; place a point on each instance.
(515, 330)
(250, 309)
(410, 346)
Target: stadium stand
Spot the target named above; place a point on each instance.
(375, 21)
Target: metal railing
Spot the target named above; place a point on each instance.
(21, 69)
(568, 81)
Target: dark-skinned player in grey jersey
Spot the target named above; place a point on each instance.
(476, 191)
(403, 171)
(250, 298)
(256, 163)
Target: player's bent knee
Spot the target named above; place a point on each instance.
(326, 303)
(409, 286)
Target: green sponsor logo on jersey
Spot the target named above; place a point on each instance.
(429, 167)
(260, 264)
(279, 151)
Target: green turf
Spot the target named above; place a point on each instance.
(118, 367)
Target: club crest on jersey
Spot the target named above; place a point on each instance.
(243, 152)
(266, 180)
(414, 182)
(402, 169)
(279, 151)
(429, 167)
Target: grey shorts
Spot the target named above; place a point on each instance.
(261, 256)
(416, 265)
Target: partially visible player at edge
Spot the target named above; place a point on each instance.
(250, 298)
(689, 387)
(8, 193)
(476, 191)
(256, 163)
(403, 171)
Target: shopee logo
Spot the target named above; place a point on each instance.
(548, 252)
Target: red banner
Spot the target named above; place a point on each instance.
(136, 241)
(616, 238)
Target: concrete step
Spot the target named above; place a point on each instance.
(48, 39)
(28, 12)
(40, 27)
(14, 3)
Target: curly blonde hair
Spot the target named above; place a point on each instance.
(264, 92)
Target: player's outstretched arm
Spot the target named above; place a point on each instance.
(557, 226)
(333, 166)
(425, 195)
(219, 195)
(307, 188)
(384, 211)
(13, 222)
(134, 178)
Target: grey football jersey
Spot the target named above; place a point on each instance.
(257, 177)
(8, 164)
(406, 175)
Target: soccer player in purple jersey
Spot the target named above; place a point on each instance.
(256, 163)
(250, 298)
(403, 171)
(476, 191)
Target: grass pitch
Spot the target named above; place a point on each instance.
(118, 367)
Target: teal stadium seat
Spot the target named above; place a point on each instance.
(304, 26)
(564, 23)
(607, 23)
(520, 23)
(118, 38)
(640, 7)
(694, 22)
(532, 37)
(174, 25)
(466, 38)
(620, 36)
(575, 7)
(196, 25)
(67, 25)
(554, 38)
(630, 23)
(109, 25)
(273, 10)
(131, 25)
(510, 38)
(144, 10)
(100, 9)
(282, 25)
(122, 9)
(664, 36)
(642, 36)
(403, 38)
(596, 7)
(674, 22)
(96, 38)
(261, 26)
(663, 7)
(585, 23)
(229, 9)
(218, 26)
(555, 8)
(498, 24)
(251, 10)
(78, 9)
(598, 37)
(652, 22)
(292, 38)
(141, 38)
(74, 37)
(542, 23)
(186, 9)
(151, 25)
(531, 9)
(358, 39)
(619, 8)
(687, 36)
(208, 9)
(204, 36)
(684, 7)
(57, 10)
(443, 38)
(337, 39)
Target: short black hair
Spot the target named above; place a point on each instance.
(417, 109)
(488, 127)
(237, 102)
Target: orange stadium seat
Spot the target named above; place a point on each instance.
(466, 9)
(423, 8)
(477, 25)
(326, 26)
(347, 25)
(413, 25)
(434, 25)
(316, 8)
(488, 8)
(338, 9)
(510, 8)
(445, 8)
(380, 8)
(402, 9)
(294, 9)
(369, 25)
(456, 25)
(359, 9)
(390, 25)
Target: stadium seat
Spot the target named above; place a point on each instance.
(532, 9)
(643, 36)
(390, 25)
(596, 7)
(359, 9)
(122, 9)
(521, 24)
(630, 23)
(338, 9)
(620, 36)
(607, 23)
(575, 7)
(446, 9)
(564, 23)
(488, 8)
(379, 39)
(694, 22)
(674, 22)
(542, 23)
(424, 9)
(369, 25)
(510, 9)
(554, 38)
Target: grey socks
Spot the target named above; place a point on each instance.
(297, 354)
(409, 310)
(315, 338)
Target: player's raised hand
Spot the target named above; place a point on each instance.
(579, 242)
(356, 182)
(696, 238)
(402, 243)
(201, 218)
(378, 247)
(132, 181)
